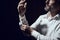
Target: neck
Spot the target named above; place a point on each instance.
(52, 14)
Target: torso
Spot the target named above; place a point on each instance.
(50, 24)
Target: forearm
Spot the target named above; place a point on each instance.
(23, 20)
(38, 36)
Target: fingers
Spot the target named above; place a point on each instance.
(25, 5)
(23, 27)
(22, 4)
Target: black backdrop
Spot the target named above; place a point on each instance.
(9, 17)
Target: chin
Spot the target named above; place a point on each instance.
(47, 8)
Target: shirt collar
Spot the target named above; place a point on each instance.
(55, 17)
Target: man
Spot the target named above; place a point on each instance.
(51, 21)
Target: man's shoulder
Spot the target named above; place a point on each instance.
(43, 16)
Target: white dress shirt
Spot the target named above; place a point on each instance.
(53, 25)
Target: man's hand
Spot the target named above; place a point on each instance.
(26, 27)
(22, 7)
(23, 27)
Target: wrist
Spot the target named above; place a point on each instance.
(28, 30)
(20, 16)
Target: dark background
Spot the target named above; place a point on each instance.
(9, 20)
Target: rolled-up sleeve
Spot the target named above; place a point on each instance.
(38, 36)
(54, 36)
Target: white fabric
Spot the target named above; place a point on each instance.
(53, 24)
(23, 20)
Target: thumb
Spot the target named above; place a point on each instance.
(25, 5)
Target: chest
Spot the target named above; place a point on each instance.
(49, 25)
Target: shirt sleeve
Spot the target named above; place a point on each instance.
(38, 36)
(55, 36)
(23, 20)
(34, 25)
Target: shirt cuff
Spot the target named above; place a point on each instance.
(21, 19)
(35, 34)
(20, 23)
